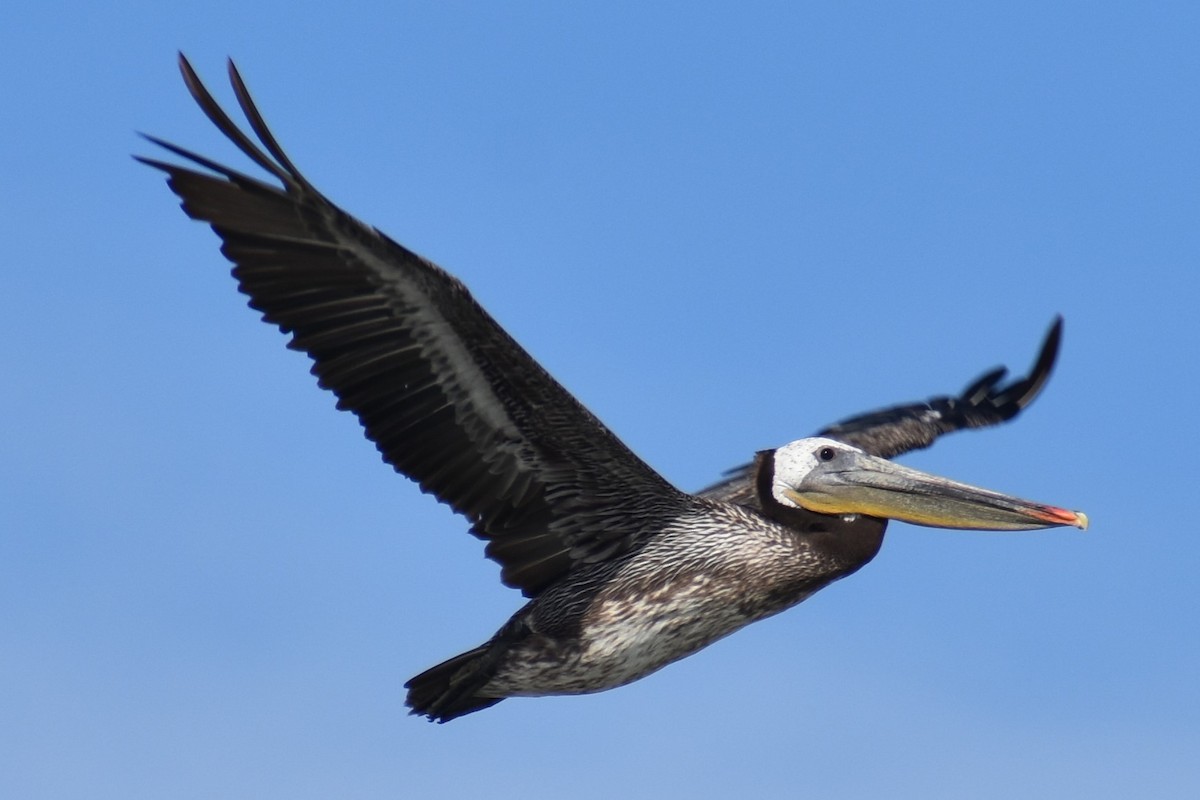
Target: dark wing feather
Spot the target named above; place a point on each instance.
(444, 392)
(892, 431)
(736, 486)
(987, 401)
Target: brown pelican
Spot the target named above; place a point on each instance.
(625, 573)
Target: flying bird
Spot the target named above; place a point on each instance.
(624, 573)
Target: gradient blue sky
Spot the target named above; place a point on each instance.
(722, 229)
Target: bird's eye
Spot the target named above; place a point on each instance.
(826, 453)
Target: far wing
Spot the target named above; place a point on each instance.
(892, 431)
(899, 429)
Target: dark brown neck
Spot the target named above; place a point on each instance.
(850, 541)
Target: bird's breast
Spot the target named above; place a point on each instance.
(683, 591)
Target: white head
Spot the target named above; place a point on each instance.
(797, 462)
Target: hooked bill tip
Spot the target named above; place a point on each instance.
(1063, 516)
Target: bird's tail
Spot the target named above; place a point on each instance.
(449, 689)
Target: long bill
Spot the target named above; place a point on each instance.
(858, 483)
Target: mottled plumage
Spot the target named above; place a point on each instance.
(625, 572)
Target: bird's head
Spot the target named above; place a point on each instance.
(828, 477)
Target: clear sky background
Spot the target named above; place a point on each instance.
(722, 229)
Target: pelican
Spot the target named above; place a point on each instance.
(624, 573)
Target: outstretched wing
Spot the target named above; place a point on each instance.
(444, 392)
(889, 432)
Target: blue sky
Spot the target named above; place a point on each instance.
(722, 229)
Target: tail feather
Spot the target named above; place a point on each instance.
(448, 690)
